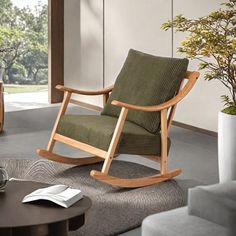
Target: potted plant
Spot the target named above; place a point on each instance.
(212, 41)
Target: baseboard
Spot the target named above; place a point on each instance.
(175, 123)
(86, 105)
(194, 128)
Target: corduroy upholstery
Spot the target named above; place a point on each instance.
(146, 80)
(97, 131)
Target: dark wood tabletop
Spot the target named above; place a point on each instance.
(14, 213)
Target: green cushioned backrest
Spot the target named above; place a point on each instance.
(146, 80)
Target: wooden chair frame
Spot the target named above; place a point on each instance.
(107, 156)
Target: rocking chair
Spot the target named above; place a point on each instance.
(138, 111)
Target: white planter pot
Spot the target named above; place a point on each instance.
(226, 147)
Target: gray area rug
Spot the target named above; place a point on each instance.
(114, 210)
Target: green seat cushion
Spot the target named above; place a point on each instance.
(146, 80)
(98, 130)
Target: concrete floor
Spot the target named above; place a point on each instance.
(25, 101)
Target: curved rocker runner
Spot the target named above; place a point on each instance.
(126, 125)
(68, 160)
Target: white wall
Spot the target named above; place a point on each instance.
(201, 106)
(83, 46)
(133, 24)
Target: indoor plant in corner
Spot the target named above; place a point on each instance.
(212, 41)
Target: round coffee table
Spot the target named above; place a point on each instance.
(38, 218)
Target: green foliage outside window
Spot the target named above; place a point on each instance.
(23, 44)
(212, 41)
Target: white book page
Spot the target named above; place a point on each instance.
(69, 193)
(59, 194)
(56, 189)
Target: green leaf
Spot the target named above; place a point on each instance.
(202, 66)
(211, 38)
(231, 110)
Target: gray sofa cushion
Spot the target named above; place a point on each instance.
(177, 222)
(216, 203)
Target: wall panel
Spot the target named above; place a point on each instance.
(134, 24)
(84, 46)
(201, 107)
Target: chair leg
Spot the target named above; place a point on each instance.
(51, 144)
(163, 163)
(114, 141)
(61, 112)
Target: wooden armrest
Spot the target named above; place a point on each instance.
(192, 78)
(1, 86)
(85, 92)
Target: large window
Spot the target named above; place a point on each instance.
(24, 45)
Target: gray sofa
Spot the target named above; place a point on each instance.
(211, 211)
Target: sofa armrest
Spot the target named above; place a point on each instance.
(216, 203)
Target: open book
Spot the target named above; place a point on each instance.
(59, 194)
